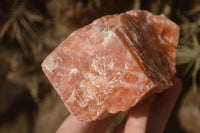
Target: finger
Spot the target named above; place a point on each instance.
(137, 117)
(120, 128)
(162, 107)
(72, 125)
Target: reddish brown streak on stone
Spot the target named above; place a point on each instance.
(113, 63)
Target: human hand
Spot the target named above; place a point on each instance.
(149, 116)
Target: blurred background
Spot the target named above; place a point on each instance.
(31, 29)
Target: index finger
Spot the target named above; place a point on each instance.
(72, 125)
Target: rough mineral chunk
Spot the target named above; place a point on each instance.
(113, 63)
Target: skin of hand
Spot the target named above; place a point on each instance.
(149, 116)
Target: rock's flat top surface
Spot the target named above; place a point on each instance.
(113, 63)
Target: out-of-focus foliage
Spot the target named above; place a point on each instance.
(189, 56)
(31, 29)
(189, 48)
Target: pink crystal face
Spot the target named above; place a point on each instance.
(113, 63)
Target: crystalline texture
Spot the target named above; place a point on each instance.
(113, 63)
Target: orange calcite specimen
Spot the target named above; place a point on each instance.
(113, 63)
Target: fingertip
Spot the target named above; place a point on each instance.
(176, 89)
(177, 83)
